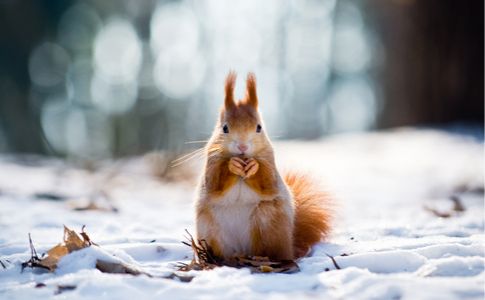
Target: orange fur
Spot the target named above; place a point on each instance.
(251, 96)
(243, 204)
(271, 232)
(229, 89)
(313, 211)
(264, 182)
(218, 177)
(205, 217)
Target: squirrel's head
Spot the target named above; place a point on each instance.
(240, 128)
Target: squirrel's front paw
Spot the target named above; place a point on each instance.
(236, 166)
(252, 166)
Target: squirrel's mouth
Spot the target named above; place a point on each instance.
(244, 154)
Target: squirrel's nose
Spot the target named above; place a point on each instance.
(243, 147)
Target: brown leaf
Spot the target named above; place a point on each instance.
(288, 266)
(285, 266)
(72, 240)
(117, 268)
(54, 255)
(266, 269)
(72, 243)
(257, 262)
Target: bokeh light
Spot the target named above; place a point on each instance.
(78, 27)
(352, 105)
(113, 98)
(117, 82)
(53, 120)
(177, 76)
(117, 52)
(351, 42)
(179, 68)
(174, 28)
(48, 66)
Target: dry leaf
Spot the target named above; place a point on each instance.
(266, 269)
(205, 259)
(117, 268)
(72, 240)
(54, 255)
(73, 243)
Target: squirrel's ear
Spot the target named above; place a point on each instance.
(251, 96)
(229, 89)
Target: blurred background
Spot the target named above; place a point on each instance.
(101, 79)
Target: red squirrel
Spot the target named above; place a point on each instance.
(243, 204)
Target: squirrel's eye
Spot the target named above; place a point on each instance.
(258, 129)
(225, 129)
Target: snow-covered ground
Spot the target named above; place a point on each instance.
(396, 249)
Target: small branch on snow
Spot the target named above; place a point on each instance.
(334, 262)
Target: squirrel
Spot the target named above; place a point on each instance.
(243, 205)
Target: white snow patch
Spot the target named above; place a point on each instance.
(394, 248)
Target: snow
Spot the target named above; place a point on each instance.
(395, 249)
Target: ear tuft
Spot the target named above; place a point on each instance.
(251, 96)
(229, 89)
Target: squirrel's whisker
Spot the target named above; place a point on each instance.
(195, 142)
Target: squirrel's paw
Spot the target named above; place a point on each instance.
(252, 166)
(236, 166)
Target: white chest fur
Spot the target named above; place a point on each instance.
(233, 215)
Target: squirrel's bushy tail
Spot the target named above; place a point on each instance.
(314, 213)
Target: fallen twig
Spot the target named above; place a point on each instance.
(334, 262)
(458, 207)
(34, 259)
(437, 213)
(62, 288)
